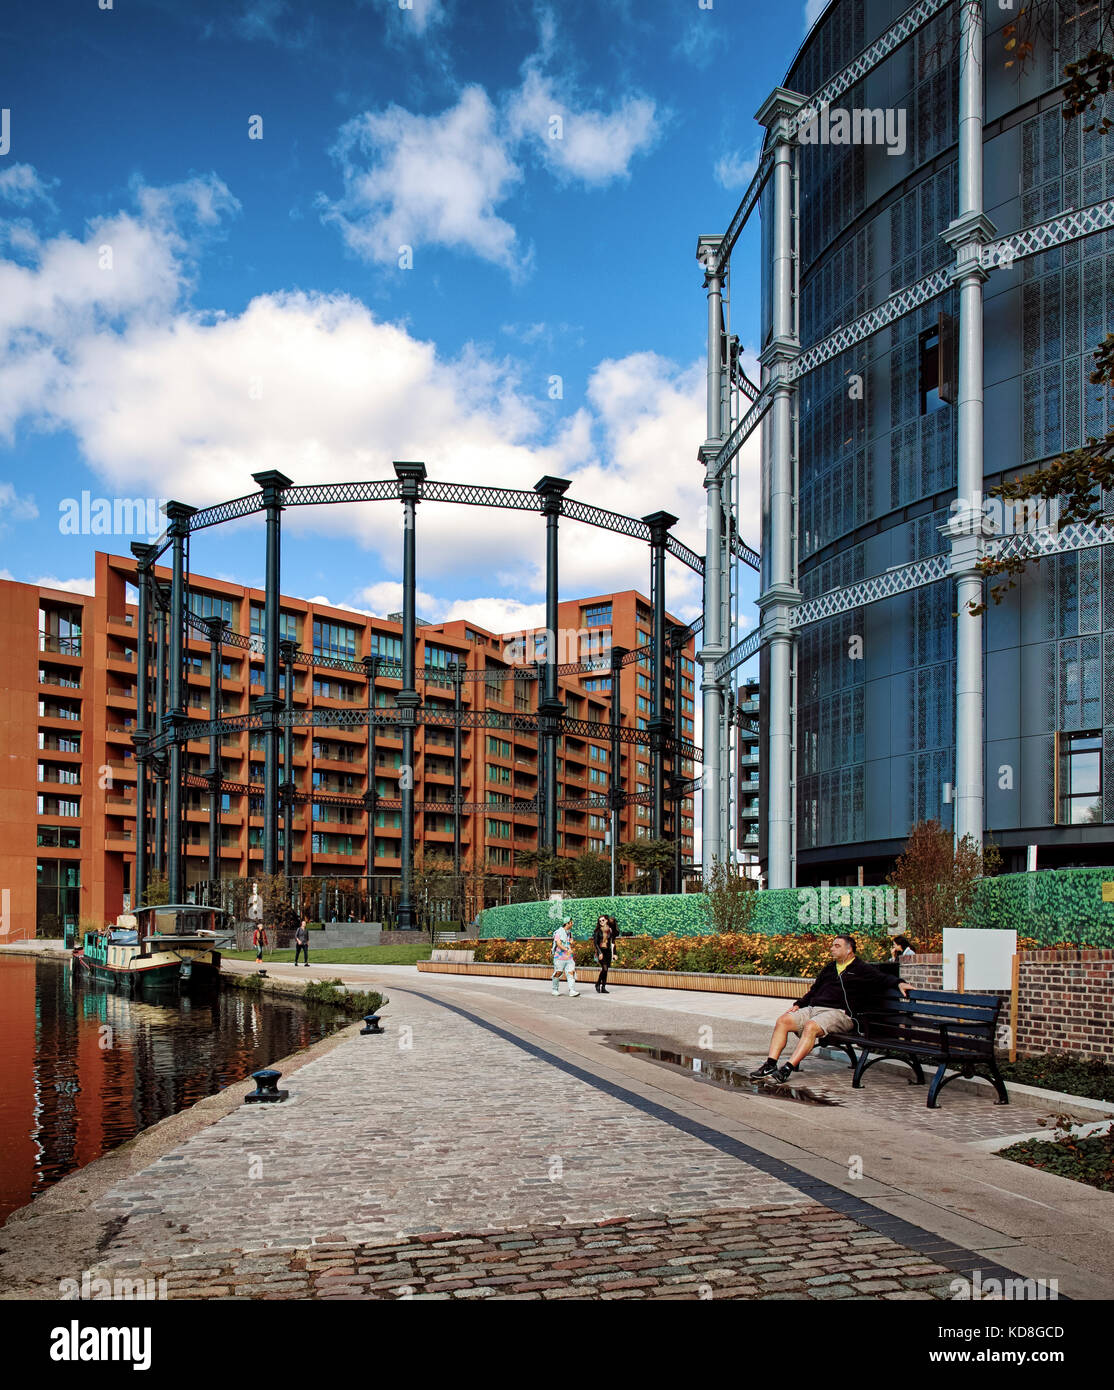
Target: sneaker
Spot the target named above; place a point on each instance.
(768, 1067)
(783, 1074)
(574, 994)
(555, 990)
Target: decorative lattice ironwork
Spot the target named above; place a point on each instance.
(742, 432)
(898, 580)
(903, 29)
(1070, 226)
(227, 511)
(896, 306)
(743, 212)
(1029, 544)
(326, 494)
(740, 652)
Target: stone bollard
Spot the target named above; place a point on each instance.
(371, 1025)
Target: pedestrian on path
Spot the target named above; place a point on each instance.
(301, 941)
(603, 941)
(259, 940)
(902, 946)
(564, 963)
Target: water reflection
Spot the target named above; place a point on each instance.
(82, 1068)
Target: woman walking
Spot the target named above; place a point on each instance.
(603, 940)
(564, 963)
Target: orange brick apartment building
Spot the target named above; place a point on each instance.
(68, 771)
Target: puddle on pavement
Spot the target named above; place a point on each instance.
(729, 1076)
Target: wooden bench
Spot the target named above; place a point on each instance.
(956, 1031)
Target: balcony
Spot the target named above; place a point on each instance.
(64, 646)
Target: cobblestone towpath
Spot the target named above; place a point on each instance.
(452, 1158)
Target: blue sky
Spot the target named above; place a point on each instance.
(183, 305)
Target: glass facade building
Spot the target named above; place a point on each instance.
(876, 449)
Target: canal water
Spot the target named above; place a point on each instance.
(82, 1068)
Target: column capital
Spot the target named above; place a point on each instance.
(178, 515)
(659, 524)
(272, 484)
(411, 475)
(144, 554)
(777, 112)
(551, 490)
(707, 253)
(776, 357)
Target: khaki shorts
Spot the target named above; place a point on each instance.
(830, 1020)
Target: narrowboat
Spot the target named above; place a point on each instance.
(156, 950)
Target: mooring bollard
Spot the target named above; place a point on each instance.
(266, 1087)
(371, 1025)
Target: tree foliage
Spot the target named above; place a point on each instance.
(730, 896)
(940, 877)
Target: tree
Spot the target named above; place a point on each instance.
(278, 915)
(730, 897)
(651, 858)
(591, 875)
(552, 871)
(940, 878)
(1075, 479)
(157, 891)
(431, 884)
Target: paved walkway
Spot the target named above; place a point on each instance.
(492, 1144)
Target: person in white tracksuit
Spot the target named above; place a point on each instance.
(563, 960)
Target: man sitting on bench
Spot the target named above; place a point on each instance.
(844, 986)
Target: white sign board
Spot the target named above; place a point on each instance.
(987, 958)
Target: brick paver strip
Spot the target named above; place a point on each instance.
(695, 1258)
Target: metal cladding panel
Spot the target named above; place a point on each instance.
(1002, 622)
(1035, 780)
(900, 809)
(1003, 765)
(1038, 689)
(877, 811)
(1108, 775)
(901, 716)
(1003, 680)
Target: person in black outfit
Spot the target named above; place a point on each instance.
(301, 941)
(603, 941)
(845, 986)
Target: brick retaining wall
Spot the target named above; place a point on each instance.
(1065, 1000)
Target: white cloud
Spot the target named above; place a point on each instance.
(592, 146)
(433, 180)
(48, 581)
(318, 387)
(699, 42)
(416, 17)
(13, 507)
(735, 170)
(22, 186)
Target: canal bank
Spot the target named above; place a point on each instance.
(94, 1082)
(494, 1143)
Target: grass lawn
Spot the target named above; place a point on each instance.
(348, 955)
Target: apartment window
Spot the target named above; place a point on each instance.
(386, 646)
(498, 747)
(60, 630)
(60, 806)
(213, 606)
(59, 772)
(603, 685)
(59, 743)
(935, 389)
(335, 690)
(597, 615)
(335, 639)
(60, 709)
(498, 829)
(477, 637)
(498, 855)
(541, 642)
(495, 773)
(1080, 779)
(58, 837)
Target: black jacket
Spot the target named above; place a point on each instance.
(861, 986)
(597, 939)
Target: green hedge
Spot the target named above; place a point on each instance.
(1049, 906)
